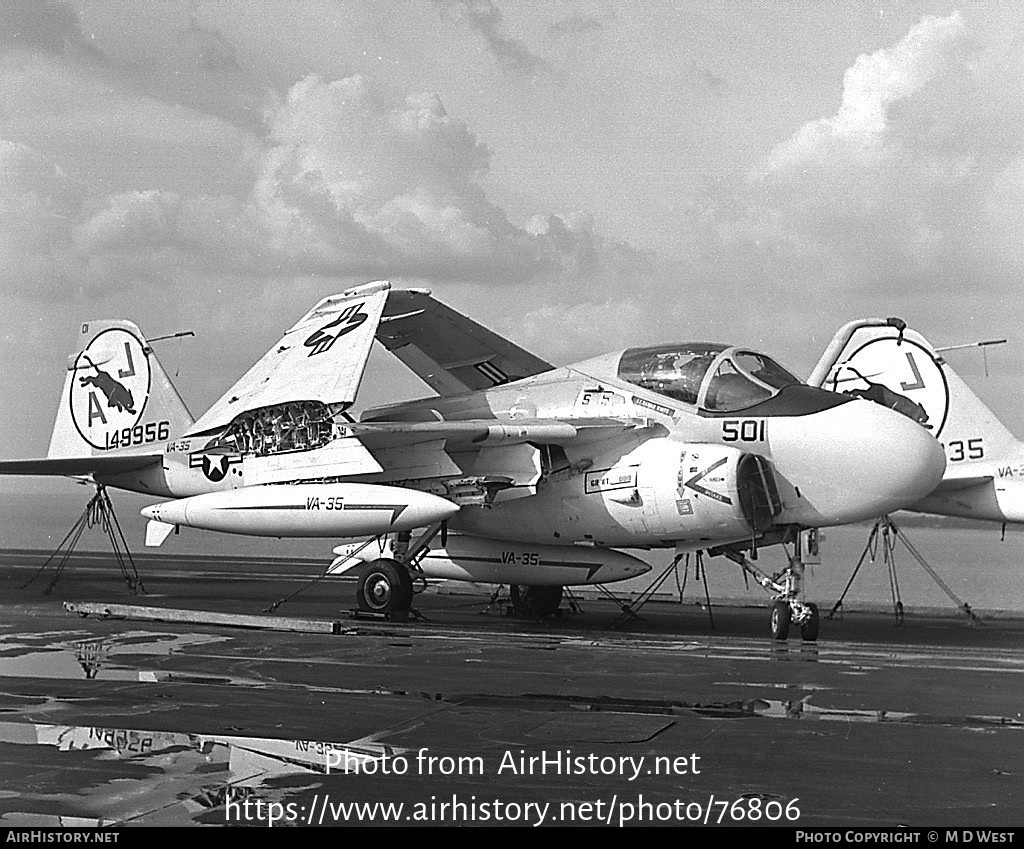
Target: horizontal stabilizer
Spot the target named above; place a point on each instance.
(321, 358)
(956, 484)
(79, 466)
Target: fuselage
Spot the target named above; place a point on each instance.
(833, 460)
(715, 469)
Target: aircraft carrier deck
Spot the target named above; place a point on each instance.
(470, 716)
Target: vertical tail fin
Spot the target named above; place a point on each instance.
(116, 395)
(909, 367)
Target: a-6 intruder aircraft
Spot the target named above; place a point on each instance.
(530, 475)
(984, 476)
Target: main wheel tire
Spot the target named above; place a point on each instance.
(535, 602)
(811, 625)
(781, 617)
(384, 587)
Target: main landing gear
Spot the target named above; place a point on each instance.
(387, 585)
(788, 608)
(535, 602)
(385, 589)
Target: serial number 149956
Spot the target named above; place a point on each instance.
(138, 435)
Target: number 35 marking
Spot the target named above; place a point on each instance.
(975, 450)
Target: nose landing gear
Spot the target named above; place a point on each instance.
(788, 608)
(794, 612)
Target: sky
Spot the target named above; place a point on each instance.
(578, 176)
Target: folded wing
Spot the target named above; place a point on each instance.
(451, 353)
(320, 359)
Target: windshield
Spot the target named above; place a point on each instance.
(715, 377)
(675, 371)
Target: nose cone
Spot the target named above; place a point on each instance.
(619, 571)
(170, 512)
(426, 509)
(853, 462)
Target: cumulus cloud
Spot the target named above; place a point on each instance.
(356, 174)
(574, 238)
(359, 177)
(61, 239)
(350, 179)
(329, 177)
(871, 88)
(900, 185)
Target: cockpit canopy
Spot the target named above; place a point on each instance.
(717, 378)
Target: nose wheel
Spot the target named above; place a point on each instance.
(787, 613)
(781, 618)
(788, 608)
